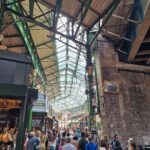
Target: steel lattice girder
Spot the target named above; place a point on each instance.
(30, 19)
(72, 37)
(23, 29)
(108, 11)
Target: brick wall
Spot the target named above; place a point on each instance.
(128, 112)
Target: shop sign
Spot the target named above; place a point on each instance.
(37, 122)
(41, 105)
(9, 103)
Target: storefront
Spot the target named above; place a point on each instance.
(9, 113)
(40, 111)
(15, 94)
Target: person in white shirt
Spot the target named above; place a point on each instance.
(68, 145)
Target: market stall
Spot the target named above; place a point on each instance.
(15, 94)
(39, 115)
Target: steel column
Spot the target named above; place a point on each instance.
(31, 7)
(89, 67)
(22, 123)
(88, 3)
(56, 12)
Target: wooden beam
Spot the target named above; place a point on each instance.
(134, 68)
(144, 52)
(146, 40)
(116, 35)
(121, 51)
(148, 61)
(141, 34)
(141, 59)
(123, 18)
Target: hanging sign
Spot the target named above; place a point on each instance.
(111, 86)
(41, 105)
(9, 104)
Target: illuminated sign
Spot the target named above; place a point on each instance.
(9, 103)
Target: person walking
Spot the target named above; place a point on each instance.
(82, 141)
(115, 144)
(75, 142)
(33, 142)
(68, 145)
(91, 145)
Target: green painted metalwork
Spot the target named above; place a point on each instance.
(56, 12)
(90, 81)
(22, 125)
(2, 4)
(9, 91)
(103, 14)
(87, 5)
(109, 11)
(67, 72)
(31, 7)
(23, 29)
(29, 109)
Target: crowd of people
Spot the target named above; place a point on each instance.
(76, 139)
(63, 139)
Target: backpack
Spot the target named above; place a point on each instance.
(36, 144)
(82, 144)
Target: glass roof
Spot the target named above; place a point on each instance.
(71, 66)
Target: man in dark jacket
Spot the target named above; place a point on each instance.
(115, 144)
(82, 142)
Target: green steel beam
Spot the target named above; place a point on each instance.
(44, 43)
(89, 81)
(77, 62)
(56, 12)
(51, 55)
(23, 29)
(110, 11)
(67, 56)
(35, 25)
(30, 19)
(87, 5)
(55, 38)
(31, 7)
(54, 46)
(63, 70)
(61, 75)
